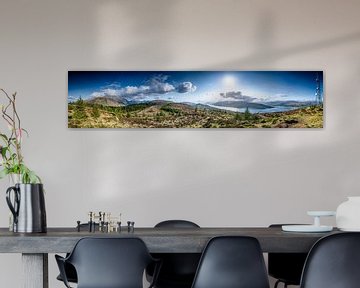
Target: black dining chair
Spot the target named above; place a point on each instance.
(232, 262)
(286, 267)
(333, 262)
(178, 269)
(70, 271)
(108, 263)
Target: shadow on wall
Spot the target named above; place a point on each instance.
(219, 166)
(148, 27)
(267, 55)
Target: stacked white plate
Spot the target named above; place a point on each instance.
(316, 227)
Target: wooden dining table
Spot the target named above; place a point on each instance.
(35, 247)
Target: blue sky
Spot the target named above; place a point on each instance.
(195, 86)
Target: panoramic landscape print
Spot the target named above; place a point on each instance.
(195, 99)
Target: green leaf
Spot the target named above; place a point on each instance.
(13, 156)
(33, 178)
(26, 132)
(4, 173)
(4, 137)
(27, 175)
(3, 151)
(15, 169)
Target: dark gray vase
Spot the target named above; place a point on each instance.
(28, 207)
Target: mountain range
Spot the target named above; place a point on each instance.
(241, 104)
(117, 101)
(114, 101)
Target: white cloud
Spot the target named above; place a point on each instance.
(132, 90)
(237, 95)
(72, 98)
(111, 92)
(282, 95)
(156, 85)
(186, 87)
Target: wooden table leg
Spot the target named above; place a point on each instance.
(35, 270)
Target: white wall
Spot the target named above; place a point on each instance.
(214, 177)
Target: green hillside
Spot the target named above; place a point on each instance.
(162, 114)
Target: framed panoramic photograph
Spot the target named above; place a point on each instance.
(195, 99)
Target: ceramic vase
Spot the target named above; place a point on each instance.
(348, 214)
(13, 179)
(27, 204)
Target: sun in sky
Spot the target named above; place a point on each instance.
(229, 82)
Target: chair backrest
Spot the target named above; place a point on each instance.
(176, 224)
(232, 262)
(178, 269)
(333, 262)
(110, 262)
(286, 267)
